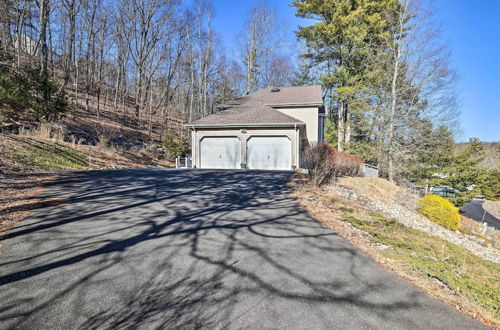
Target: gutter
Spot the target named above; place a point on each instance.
(302, 104)
(193, 126)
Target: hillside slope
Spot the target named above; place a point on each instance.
(491, 154)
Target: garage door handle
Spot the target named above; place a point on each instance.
(267, 156)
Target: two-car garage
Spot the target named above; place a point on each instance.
(264, 130)
(254, 152)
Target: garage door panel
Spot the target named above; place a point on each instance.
(220, 152)
(269, 153)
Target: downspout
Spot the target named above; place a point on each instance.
(194, 162)
(297, 147)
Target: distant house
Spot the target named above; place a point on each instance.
(27, 44)
(267, 129)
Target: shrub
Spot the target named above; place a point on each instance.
(49, 99)
(13, 91)
(325, 163)
(175, 146)
(29, 89)
(440, 211)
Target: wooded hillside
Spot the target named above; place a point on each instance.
(491, 154)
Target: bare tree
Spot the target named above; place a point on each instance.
(421, 83)
(277, 71)
(257, 42)
(144, 19)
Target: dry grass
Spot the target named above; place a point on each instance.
(368, 235)
(468, 226)
(376, 187)
(380, 189)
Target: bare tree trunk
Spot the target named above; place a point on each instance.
(70, 6)
(44, 18)
(341, 126)
(347, 117)
(89, 72)
(117, 87)
(396, 50)
(21, 36)
(191, 84)
(5, 37)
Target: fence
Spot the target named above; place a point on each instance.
(183, 162)
(370, 171)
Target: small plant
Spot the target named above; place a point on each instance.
(347, 210)
(175, 146)
(440, 211)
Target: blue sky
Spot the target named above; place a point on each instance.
(472, 30)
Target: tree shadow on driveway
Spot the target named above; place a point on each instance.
(195, 249)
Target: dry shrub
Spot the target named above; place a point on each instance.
(325, 163)
(468, 226)
(45, 131)
(440, 211)
(104, 136)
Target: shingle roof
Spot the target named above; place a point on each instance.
(253, 109)
(250, 111)
(290, 95)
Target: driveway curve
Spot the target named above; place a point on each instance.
(196, 249)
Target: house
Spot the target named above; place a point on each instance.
(267, 130)
(27, 44)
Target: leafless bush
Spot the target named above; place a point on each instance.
(325, 163)
(104, 136)
(46, 131)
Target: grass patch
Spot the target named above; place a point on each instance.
(51, 155)
(463, 272)
(347, 210)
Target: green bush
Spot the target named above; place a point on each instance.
(440, 211)
(29, 89)
(49, 100)
(175, 146)
(13, 90)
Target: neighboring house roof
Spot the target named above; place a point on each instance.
(256, 109)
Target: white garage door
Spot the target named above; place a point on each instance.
(220, 152)
(269, 153)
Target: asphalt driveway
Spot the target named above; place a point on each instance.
(196, 249)
(474, 210)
